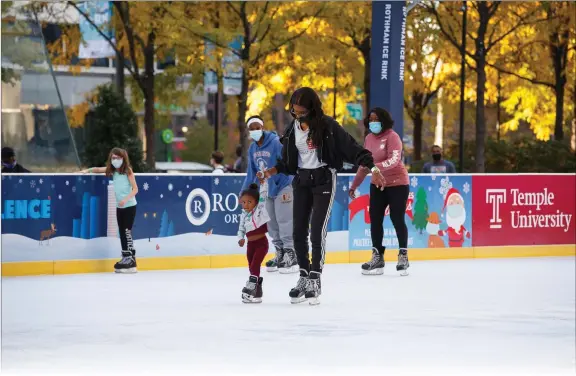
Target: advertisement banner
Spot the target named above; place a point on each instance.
(210, 77)
(438, 214)
(388, 59)
(93, 44)
(71, 217)
(232, 69)
(524, 209)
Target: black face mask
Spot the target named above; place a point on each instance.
(437, 156)
(302, 119)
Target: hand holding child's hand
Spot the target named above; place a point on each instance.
(241, 242)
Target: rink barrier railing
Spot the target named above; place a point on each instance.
(79, 204)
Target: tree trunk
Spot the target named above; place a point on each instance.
(418, 122)
(148, 81)
(367, 66)
(242, 109)
(559, 54)
(119, 77)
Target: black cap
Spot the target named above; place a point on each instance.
(7, 153)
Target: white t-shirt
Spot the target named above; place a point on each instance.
(219, 169)
(307, 156)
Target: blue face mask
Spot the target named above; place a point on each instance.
(256, 135)
(455, 211)
(10, 165)
(375, 127)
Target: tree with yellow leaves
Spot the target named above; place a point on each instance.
(489, 23)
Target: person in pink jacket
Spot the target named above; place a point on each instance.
(386, 148)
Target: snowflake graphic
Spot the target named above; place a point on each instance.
(74, 189)
(53, 186)
(59, 197)
(344, 189)
(189, 177)
(170, 187)
(414, 181)
(37, 190)
(433, 177)
(9, 177)
(93, 178)
(187, 186)
(429, 189)
(41, 181)
(145, 186)
(84, 181)
(179, 193)
(216, 181)
(67, 182)
(157, 177)
(161, 195)
(466, 188)
(32, 183)
(445, 186)
(20, 181)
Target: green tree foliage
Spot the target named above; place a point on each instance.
(112, 123)
(420, 219)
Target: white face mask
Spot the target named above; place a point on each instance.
(117, 163)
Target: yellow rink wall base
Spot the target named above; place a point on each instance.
(12, 269)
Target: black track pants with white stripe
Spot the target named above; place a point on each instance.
(313, 199)
(126, 217)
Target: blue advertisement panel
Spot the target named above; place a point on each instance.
(94, 45)
(63, 217)
(438, 214)
(388, 59)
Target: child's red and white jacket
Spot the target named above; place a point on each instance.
(250, 221)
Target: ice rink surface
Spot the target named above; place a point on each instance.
(499, 316)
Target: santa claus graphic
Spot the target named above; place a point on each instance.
(455, 218)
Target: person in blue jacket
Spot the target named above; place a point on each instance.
(264, 151)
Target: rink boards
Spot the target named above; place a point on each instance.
(190, 221)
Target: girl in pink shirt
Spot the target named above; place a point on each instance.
(386, 148)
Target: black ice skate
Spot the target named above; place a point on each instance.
(376, 265)
(290, 262)
(314, 289)
(298, 293)
(273, 265)
(403, 263)
(127, 264)
(252, 293)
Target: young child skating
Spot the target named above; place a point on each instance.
(125, 188)
(253, 225)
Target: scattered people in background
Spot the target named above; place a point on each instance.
(253, 225)
(386, 147)
(125, 188)
(438, 165)
(315, 147)
(263, 153)
(238, 162)
(9, 162)
(216, 163)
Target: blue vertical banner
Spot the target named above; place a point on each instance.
(210, 77)
(232, 68)
(93, 44)
(387, 57)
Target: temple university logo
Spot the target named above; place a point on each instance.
(495, 197)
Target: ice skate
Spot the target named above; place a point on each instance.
(314, 288)
(252, 292)
(403, 263)
(127, 264)
(272, 265)
(298, 293)
(376, 265)
(290, 263)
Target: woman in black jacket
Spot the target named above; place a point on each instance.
(315, 146)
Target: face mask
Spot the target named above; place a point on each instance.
(117, 163)
(437, 156)
(256, 135)
(375, 127)
(454, 211)
(10, 165)
(302, 118)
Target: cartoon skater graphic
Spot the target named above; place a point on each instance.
(455, 218)
(433, 228)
